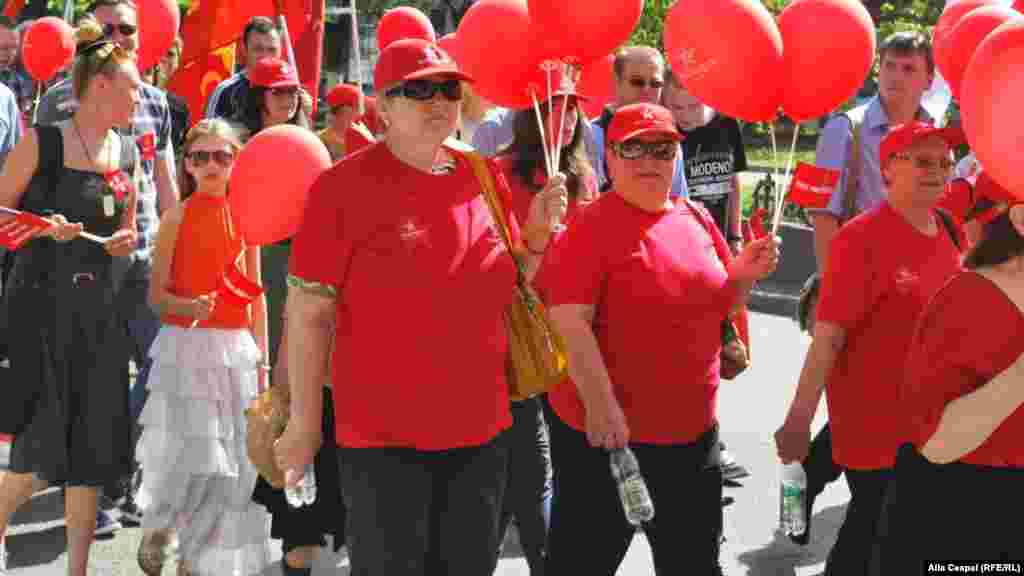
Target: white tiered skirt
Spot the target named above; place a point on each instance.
(196, 475)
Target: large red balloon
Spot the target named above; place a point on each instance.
(990, 104)
(401, 23)
(448, 44)
(967, 34)
(839, 32)
(950, 17)
(1019, 6)
(597, 83)
(158, 26)
(583, 30)
(728, 54)
(491, 49)
(49, 45)
(271, 179)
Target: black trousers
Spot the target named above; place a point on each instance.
(851, 554)
(821, 469)
(589, 531)
(417, 513)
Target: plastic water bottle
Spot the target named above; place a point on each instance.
(303, 493)
(793, 500)
(636, 500)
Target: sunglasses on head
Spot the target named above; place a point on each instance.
(201, 157)
(124, 29)
(637, 149)
(423, 89)
(638, 82)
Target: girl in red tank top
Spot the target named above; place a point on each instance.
(208, 364)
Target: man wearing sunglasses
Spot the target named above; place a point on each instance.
(639, 78)
(157, 192)
(260, 39)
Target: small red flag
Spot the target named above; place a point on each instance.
(18, 227)
(13, 8)
(757, 228)
(812, 185)
(119, 183)
(147, 145)
(235, 288)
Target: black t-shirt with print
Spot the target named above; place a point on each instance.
(714, 153)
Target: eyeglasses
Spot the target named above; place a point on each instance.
(201, 157)
(637, 149)
(944, 164)
(291, 91)
(424, 90)
(637, 82)
(124, 29)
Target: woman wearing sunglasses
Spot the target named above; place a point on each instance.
(528, 492)
(207, 365)
(275, 98)
(417, 281)
(963, 390)
(63, 294)
(637, 289)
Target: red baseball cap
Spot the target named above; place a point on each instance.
(343, 95)
(643, 118)
(902, 136)
(273, 73)
(413, 58)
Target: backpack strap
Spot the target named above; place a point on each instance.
(853, 167)
(950, 226)
(705, 220)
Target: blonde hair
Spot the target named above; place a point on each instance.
(95, 56)
(215, 127)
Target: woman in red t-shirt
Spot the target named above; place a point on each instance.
(399, 255)
(964, 395)
(528, 493)
(638, 291)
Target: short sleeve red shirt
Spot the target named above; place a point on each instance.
(882, 272)
(660, 294)
(522, 195)
(969, 333)
(423, 279)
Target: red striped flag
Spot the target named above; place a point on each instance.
(18, 227)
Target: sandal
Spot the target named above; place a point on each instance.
(152, 554)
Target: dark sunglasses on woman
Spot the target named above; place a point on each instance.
(636, 149)
(423, 89)
(201, 157)
(124, 29)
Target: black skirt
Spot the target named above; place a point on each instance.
(308, 525)
(948, 513)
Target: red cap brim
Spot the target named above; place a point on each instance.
(671, 132)
(449, 71)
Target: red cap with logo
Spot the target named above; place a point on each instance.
(273, 73)
(902, 136)
(343, 95)
(413, 58)
(643, 118)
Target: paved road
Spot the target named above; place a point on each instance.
(751, 408)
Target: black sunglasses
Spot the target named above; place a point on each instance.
(201, 157)
(425, 89)
(636, 149)
(124, 29)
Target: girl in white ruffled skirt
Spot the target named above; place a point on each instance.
(208, 365)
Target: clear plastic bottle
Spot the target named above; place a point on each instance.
(303, 493)
(793, 500)
(636, 500)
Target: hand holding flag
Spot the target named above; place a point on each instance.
(18, 227)
(233, 289)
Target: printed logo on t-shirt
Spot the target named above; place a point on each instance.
(905, 279)
(411, 234)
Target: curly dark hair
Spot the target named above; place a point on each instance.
(251, 115)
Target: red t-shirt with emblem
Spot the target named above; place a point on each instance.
(422, 281)
(882, 272)
(660, 294)
(969, 333)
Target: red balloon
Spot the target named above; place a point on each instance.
(271, 179)
(491, 49)
(990, 107)
(597, 82)
(448, 44)
(839, 32)
(401, 23)
(1019, 6)
(950, 17)
(734, 66)
(49, 45)
(583, 30)
(158, 26)
(965, 37)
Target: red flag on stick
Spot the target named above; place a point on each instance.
(235, 288)
(13, 8)
(812, 186)
(18, 227)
